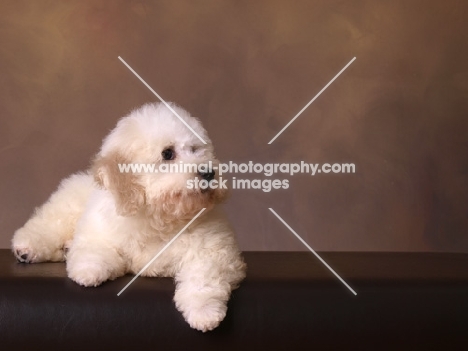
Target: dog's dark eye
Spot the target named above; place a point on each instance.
(168, 154)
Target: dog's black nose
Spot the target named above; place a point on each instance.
(207, 175)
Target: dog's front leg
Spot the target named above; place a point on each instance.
(90, 265)
(201, 300)
(203, 287)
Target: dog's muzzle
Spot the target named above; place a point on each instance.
(208, 176)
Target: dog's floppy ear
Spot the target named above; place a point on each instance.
(129, 195)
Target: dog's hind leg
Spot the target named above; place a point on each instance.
(47, 234)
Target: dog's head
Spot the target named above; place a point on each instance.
(138, 159)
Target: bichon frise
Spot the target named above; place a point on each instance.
(106, 223)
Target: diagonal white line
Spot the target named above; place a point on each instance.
(313, 251)
(161, 251)
(311, 101)
(162, 100)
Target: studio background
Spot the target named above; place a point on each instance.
(245, 68)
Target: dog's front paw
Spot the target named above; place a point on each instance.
(206, 318)
(87, 273)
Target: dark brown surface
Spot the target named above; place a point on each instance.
(405, 301)
(246, 68)
(363, 267)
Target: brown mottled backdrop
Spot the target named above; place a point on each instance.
(400, 111)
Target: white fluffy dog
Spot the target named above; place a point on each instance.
(106, 223)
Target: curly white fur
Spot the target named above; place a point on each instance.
(106, 223)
